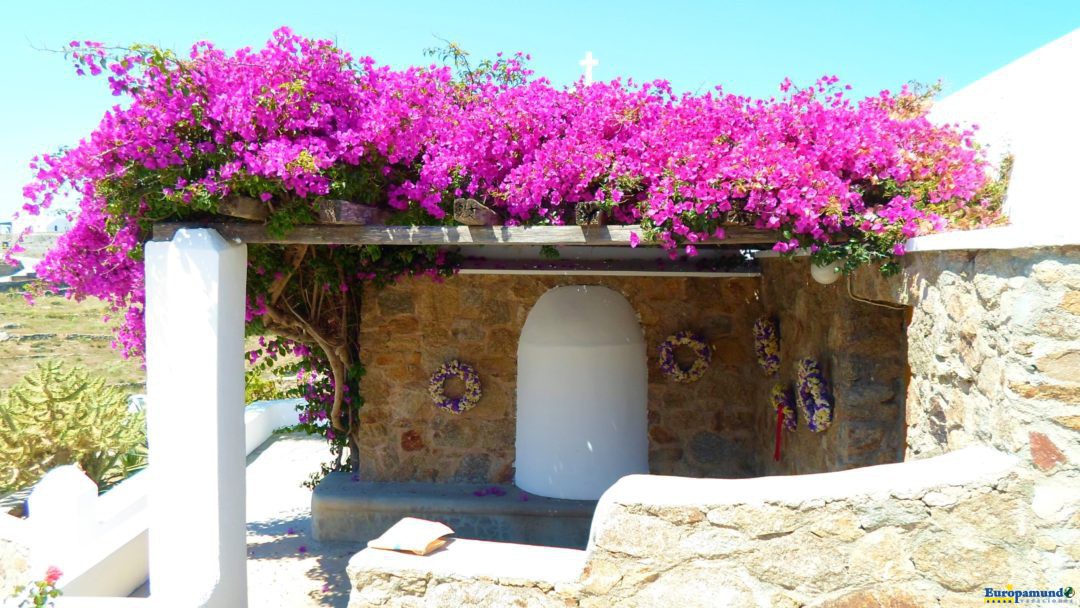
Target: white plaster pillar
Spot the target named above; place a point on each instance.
(195, 286)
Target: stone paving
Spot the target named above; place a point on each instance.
(286, 566)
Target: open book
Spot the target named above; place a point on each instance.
(418, 536)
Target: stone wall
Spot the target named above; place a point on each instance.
(933, 532)
(861, 348)
(926, 533)
(702, 429)
(994, 350)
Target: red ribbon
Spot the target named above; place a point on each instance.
(779, 429)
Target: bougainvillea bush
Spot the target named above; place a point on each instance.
(302, 120)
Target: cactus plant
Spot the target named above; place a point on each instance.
(60, 415)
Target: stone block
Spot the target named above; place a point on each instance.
(881, 556)
(694, 587)
(473, 468)
(1056, 500)
(861, 441)
(893, 596)
(638, 536)
(960, 563)
(1061, 365)
(1067, 392)
(710, 448)
(1044, 453)
(1070, 302)
(601, 575)
(1069, 422)
(840, 524)
(1053, 273)
(799, 561)
(395, 301)
(412, 441)
(899, 513)
(713, 542)
(660, 435)
(762, 521)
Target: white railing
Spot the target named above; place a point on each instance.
(100, 542)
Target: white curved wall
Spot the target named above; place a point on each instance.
(581, 394)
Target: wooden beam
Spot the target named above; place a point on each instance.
(450, 235)
(614, 267)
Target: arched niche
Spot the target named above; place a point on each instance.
(581, 394)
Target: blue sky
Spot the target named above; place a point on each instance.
(749, 47)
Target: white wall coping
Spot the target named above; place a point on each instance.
(122, 518)
(262, 418)
(969, 465)
(999, 237)
(105, 602)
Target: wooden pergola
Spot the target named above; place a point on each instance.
(378, 234)
(195, 317)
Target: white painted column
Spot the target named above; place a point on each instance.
(195, 286)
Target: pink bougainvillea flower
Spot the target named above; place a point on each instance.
(302, 120)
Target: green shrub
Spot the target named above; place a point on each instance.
(56, 416)
(258, 387)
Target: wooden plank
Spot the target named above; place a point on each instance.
(714, 267)
(450, 235)
(593, 272)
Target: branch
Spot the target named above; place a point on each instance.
(294, 255)
(329, 349)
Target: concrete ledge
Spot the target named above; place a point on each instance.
(1002, 237)
(343, 509)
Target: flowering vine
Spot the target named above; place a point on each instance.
(300, 121)
(38, 593)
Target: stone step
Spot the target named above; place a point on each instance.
(344, 509)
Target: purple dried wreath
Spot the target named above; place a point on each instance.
(467, 374)
(694, 342)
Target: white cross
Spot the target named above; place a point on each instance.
(588, 63)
